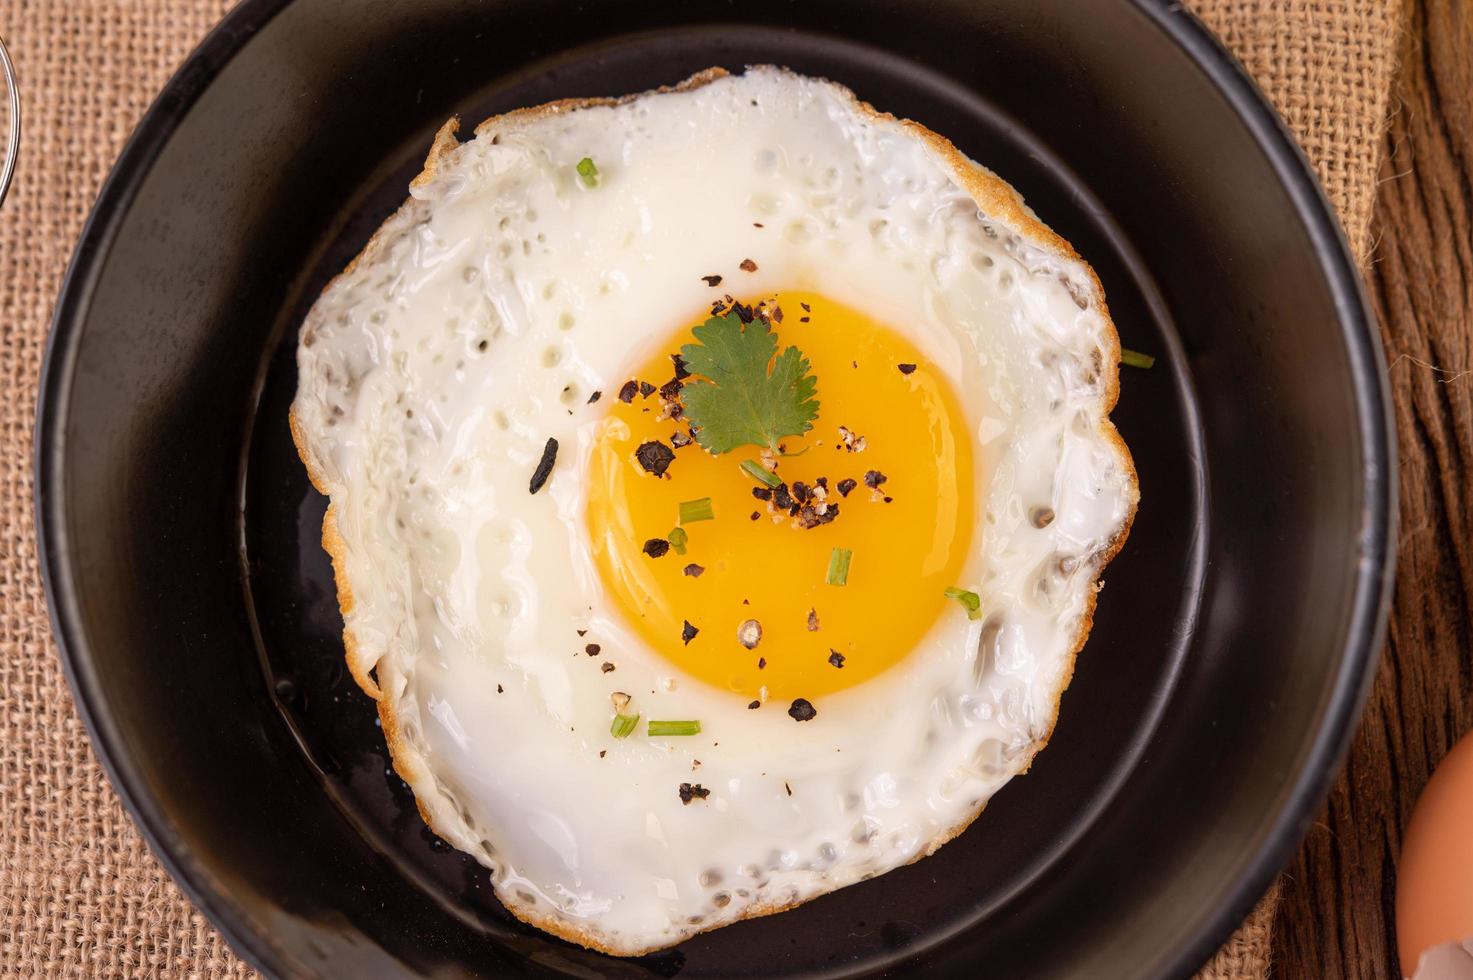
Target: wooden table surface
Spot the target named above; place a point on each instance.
(1337, 917)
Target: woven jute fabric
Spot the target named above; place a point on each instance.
(80, 895)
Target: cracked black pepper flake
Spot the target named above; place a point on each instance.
(780, 497)
(873, 478)
(593, 649)
(802, 710)
(595, 397)
(888, 499)
(788, 788)
(801, 493)
(846, 485)
(754, 705)
(581, 632)
(607, 667)
(544, 466)
(777, 314)
(813, 621)
(749, 634)
(836, 658)
(654, 456)
(656, 547)
(694, 570)
(712, 281)
(761, 663)
(670, 390)
(688, 632)
(806, 307)
(808, 516)
(680, 440)
(906, 368)
(602, 753)
(696, 791)
(756, 516)
(748, 265)
(627, 393)
(762, 493)
(744, 312)
(500, 689)
(681, 371)
(646, 389)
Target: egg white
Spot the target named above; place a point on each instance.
(477, 324)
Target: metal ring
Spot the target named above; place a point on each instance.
(12, 144)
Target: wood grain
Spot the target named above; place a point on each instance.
(1337, 916)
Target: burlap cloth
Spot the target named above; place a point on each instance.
(80, 894)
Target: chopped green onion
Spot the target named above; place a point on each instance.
(970, 601)
(696, 510)
(678, 539)
(588, 172)
(623, 725)
(761, 473)
(839, 566)
(659, 728)
(1134, 358)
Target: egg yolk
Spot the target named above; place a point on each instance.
(907, 535)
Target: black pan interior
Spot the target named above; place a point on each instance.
(197, 608)
(1112, 712)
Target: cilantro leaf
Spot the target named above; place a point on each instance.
(746, 393)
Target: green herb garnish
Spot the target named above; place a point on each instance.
(588, 172)
(747, 394)
(761, 473)
(1134, 358)
(970, 601)
(623, 725)
(696, 510)
(678, 539)
(839, 566)
(659, 728)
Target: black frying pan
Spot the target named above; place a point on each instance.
(1232, 648)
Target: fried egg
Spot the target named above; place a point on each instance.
(659, 690)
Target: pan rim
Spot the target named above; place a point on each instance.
(1367, 609)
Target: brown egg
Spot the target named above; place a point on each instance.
(1434, 885)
